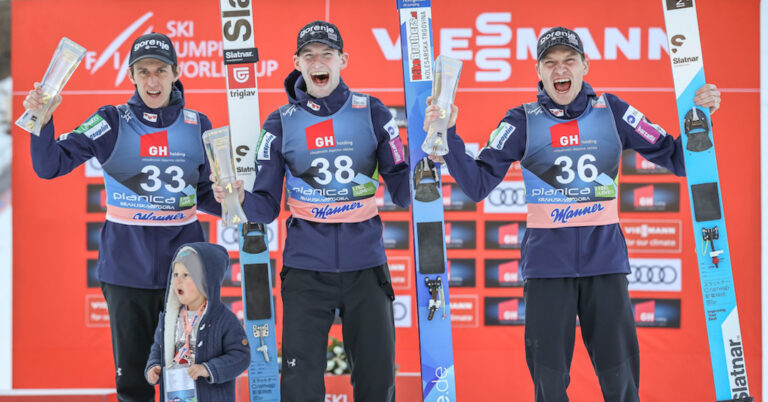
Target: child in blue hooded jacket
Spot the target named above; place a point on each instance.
(196, 330)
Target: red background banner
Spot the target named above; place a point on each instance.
(60, 333)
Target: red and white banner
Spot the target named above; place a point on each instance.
(56, 222)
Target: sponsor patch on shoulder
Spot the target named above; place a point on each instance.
(632, 116)
(94, 127)
(190, 117)
(263, 147)
(650, 132)
(398, 154)
(359, 102)
(500, 136)
(392, 129)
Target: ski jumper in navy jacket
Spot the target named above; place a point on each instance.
(133, 255)
(576, 251)
(317, 240)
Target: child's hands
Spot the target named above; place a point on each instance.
(153, 374)
(197, 370)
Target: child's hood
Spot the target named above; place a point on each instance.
(215, 261)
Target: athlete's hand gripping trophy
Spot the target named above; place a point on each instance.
(219, 150)
(445, 81)
(64, 62)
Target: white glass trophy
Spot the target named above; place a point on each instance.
(219, 149)
(445, 81)
(64, 62)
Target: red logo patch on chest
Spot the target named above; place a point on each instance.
(320, 135)
(565, 134)
(155, 144)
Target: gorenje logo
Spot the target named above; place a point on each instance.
(318, 27)
(152, 43)
(571, 37)
(154, 145)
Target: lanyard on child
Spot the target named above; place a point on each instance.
(187, 327)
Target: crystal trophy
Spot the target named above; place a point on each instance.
(445, 81)
(64, 62)
(219, 150)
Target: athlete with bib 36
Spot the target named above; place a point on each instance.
(156, 175)
(331, 144)
(574, 258)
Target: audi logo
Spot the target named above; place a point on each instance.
(229, 235)
(654, 274)
(507, 197)
(399, 310)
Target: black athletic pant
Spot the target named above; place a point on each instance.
(607, 326)
(364, 299)
(133, 315)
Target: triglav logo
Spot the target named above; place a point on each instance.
(240, 74)
(241, 77)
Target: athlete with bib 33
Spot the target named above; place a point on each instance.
(155, 175)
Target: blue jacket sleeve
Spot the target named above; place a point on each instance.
(393, 165)
(155, 358)
(236, 354)
(666, 151)
(205, 199)
(96, 137)
(262, 204)
(478, 176)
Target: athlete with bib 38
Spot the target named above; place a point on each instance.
(330, 144)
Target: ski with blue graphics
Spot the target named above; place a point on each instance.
(435, 338)
(240, 58)
(714, 259)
